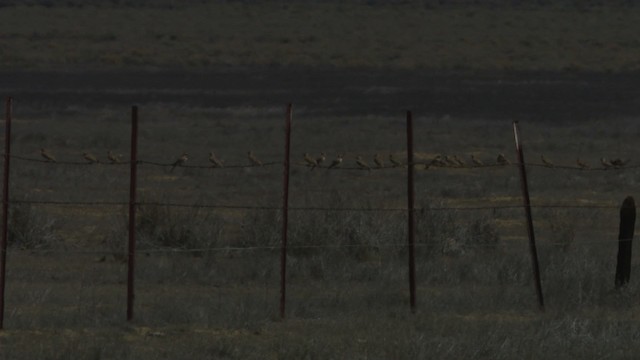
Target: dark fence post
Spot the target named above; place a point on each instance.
(5, 206)
(527, 209)
(411, 213)
(132, 213)
(285, 211)
(625, 238)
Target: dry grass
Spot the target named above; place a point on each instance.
(407, 36)
(347, 292)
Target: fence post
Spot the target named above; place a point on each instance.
(527, 209)
(625, 238)
(285, 211)
(411, 214)
(132, 212)
(5, 206)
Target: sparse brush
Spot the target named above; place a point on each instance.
(172, 227)
(31, 229)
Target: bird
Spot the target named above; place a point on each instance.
(46, 155)
(336, 162)
(449, 161)
(321, 158)
(89, 157)
(254, 160)
(618, 162)
(215, 162)
(476, 161)
(180, 161)
(502, 160)
(395, 162)
(605, 163)
(582, 164)
(310, 161)
(438, 161)
(546, 161)
(362, 164)
(378, 160)
(113, 158)
(460, 162)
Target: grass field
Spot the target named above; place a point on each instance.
(216, 77)
(67, 300)
(409, 35)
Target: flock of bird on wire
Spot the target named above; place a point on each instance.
(378, 161)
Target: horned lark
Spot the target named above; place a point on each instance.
(89, 157)
(309, 160)
(619, 162)
(449, 161)
(46, 155)
(254, 160)
(582, 164)
(460, 162)
(546, 161)
(438, 161)
(113, 158)
(215, 162)
(336, 162)
(361, 163)
(378, 160)
(395, 162)
(605, 163)
(502, 160)
(321, 159)
(476, 161)
(180, 161)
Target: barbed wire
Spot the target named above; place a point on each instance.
(426, 164)
(311, 208)
(460, 246)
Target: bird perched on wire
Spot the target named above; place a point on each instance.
(89, 157)
(253, 159)
(476, 161)
(45, 154)
(336, 163)
(450, 162)
(309, 160)
(459, 161)
(322, 158)
(582, 164)
(606, 163)
(215, 162)
(546, 161)
(180, 161)
(502, 160)
(438, 161)
(378, 160)
(619, 162)
(113, 158)
(362, 164)
(393, 161)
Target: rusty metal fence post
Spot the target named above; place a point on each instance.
(411, 213)
(285, 211)
(132, 213)
(625, 239)
(527, 208)
(5, 206)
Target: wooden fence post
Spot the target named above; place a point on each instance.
(625, 238)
